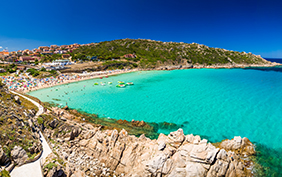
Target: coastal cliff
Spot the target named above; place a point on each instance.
(84, 149)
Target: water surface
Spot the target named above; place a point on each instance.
(215, 103)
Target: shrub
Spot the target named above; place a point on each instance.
(50, 166)
(4, 173)
(33, 72)
(40, 120)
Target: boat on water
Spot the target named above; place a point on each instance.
(109, 83)
(96, 83)
(121, 85)
(101, 77)
(129, 83)
(106, 76)
(120, 82)
(103, 84)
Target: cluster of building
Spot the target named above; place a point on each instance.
(37, 53)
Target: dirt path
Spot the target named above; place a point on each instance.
(33, 169)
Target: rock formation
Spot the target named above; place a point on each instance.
(19, 138)
(89, 151)
(19, 155)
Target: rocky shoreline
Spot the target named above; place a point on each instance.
(84, 149)
(81, 149)
(217, 66)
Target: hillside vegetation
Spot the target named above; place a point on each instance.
(151, 54)
(19, 141)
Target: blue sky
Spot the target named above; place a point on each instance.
(240, 25)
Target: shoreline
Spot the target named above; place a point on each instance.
(83, 78)
(175, 69)
(94, 75)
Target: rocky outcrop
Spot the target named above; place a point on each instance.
(19, 155)
(19, 138)
(112, 152)
(240, 145)
(52, 167)
(3, 158)
(87, 150)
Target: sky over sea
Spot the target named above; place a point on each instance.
(240, 25)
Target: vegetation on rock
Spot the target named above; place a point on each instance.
(17, 133)
(151, 54)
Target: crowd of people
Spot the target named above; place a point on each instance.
(25, 82)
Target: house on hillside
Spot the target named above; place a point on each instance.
(57, 63)
(19, 52)
(66, 56)
(47, 53)
(54, 46)
(42, 48)
(29, 59)
(4, 53)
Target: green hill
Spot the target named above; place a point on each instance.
(151, 54)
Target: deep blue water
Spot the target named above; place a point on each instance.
(214, 103)
(277, 60)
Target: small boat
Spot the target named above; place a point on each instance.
(129, 83)
(106, 76)
(96, 83)
(121, 85)
(101, 77)
(109, 83)
(120, 82)
(103, 84)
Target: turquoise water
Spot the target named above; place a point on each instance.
(214, 103)
(217, 103)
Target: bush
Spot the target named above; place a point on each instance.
(50, 166)
(33, 72)
(40, 120)
(4, 173)
(43, 69)
(53, 72)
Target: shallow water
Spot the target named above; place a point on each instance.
(214, 103)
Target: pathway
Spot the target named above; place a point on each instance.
(33, 169)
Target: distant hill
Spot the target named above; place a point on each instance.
(151, 54)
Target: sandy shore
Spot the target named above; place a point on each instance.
(77, 80)
(89, 76)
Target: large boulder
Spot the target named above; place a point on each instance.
(241, 145)
(19, 155)
(156, 163)
(74, 133)
(176, 138)
(53, 124)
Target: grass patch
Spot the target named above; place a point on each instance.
(4, 173)
(50, 166)
(27, 104)
(40, 120)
